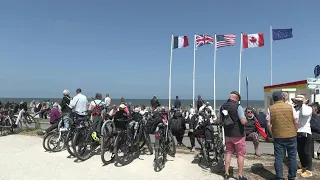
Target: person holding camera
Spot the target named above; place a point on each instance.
(304, 136)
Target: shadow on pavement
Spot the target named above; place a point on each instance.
(261, 171)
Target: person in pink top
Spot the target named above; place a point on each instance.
(122, 105)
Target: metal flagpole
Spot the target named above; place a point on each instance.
(240, 61)
(194, 72)
(170, 69)
(271, 34)
(247, 87)
(214, 72)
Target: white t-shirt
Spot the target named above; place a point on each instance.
(107, 101)
(305, 113)
(79, 103)
(142, 112)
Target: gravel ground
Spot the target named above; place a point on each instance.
(23, 158)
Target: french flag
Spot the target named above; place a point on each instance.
(180, 42)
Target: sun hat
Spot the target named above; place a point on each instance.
(299, 98)
(122, 106)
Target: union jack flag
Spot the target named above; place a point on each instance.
(203, 40)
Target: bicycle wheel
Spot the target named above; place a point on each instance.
(159, 155)
(107, 149)
(148, 142)
(204, 150)
(57, 141)
(219, 152)
(123, 154)
(30, 119)
(171, 148)
(45, 141)
(82, 144)
(68, 142)
(142, 141)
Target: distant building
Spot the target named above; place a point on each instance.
(293, 89)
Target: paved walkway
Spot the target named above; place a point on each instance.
(23, 158)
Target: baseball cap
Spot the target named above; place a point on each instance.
(78, 90)
(277, 95)
(236, 93)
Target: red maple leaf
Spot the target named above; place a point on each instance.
(253, 39)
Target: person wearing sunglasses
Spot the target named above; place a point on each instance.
(253, 129)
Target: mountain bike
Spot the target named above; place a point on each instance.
(82, 143)
(164, 145)
(126, 143)
(219, 146)
(211, 142)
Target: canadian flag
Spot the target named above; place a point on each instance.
(253, 40)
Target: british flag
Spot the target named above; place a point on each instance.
(203, 40)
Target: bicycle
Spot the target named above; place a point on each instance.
(219, 146)
(56, 138)
(7, 119)
(82, 139)
(28, 119)
(126, 143)
(211, 142)
(163, 141)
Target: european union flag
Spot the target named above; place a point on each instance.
(279, 34)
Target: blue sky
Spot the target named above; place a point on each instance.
(123, 47)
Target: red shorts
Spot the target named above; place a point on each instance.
(236, 145)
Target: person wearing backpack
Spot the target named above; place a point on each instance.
(178, 126)
(96, 107)
(233, 119)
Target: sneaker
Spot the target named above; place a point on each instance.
(41, 133)
(306, 174)
(299, 171)
(63, 129)
(193, 149)
(226, 177)
(242, 178)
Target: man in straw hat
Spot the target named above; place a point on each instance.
(304, 138)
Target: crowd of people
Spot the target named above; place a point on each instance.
(293, 125)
